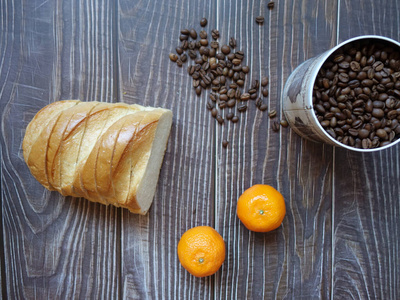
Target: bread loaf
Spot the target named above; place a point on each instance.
(104, 152)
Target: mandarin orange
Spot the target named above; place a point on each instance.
(261, 208)
(201, 251)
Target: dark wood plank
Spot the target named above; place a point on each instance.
(293, 261)
(55, 247)
(184, 198)
(366, 191)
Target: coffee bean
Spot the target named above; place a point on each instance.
(245, 96)
(271, 5)
(235, 119)
(263, 107)
(191, 70)
(353, 132)
(238, 94)
(355, 66)
(255, 84)
(378, 104)
(204, 42)
(344, 65)
(378, 113)
(223, 89)
(214, 112)
(185, 31)
(220, 56)
(272, 114)
(232, 42)
(284, 123)
(231, 93)
(252, 91)
(338, 58)
(231, 103)
(222, 104)
(245, 69)
(340, 116)
(192, 54)
(236, 61)
(265, 92)
(237, 68)
(183, 37)
(371, 73)
(338, 131)
(219, 119)
(183, 57)
(240, 82)
(332, 122)
(275, 126)
(264, 81)
(225, 143)
(343, 77)
(353, 84)
(179, 50)
(366, 143)
(242, 108)
(198, 90)
(260, 20)
(326, 83)
(378, 66)
(193, 34)
(173, 57)
(356, 123)
(223, 97)
(392, 114)
(203, 22)
(358, 111)
(370, 60)
(363, 133)
(225, 49)
(212, 52)
(215, 34)
(331, 132)
(319, 108)
(229, 116)
(213, 97)
(196, 83)
(203, 35)
(382, 134)
(230, 56)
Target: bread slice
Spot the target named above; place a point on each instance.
(37, 145)
(143, 184)
(40, 121)
(70, 120)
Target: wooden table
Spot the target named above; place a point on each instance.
(340, 238)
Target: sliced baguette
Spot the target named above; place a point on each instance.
(107, 153)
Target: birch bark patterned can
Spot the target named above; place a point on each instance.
(348, 95)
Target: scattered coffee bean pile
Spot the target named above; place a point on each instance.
(356, 94)
(221, 68)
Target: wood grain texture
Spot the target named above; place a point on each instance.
(185, 194)
(340, 238)
(54, 247)
(293, 261)
(366, 244)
